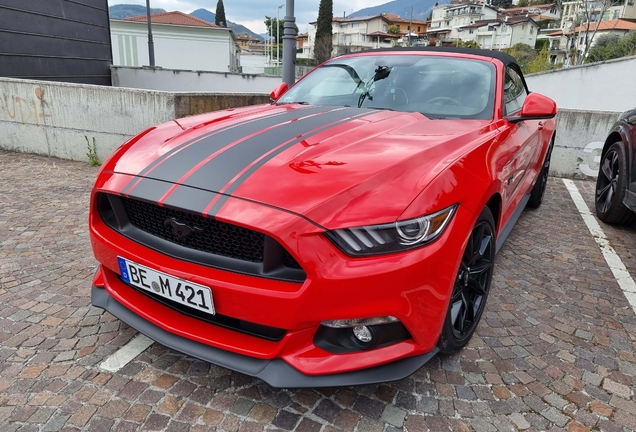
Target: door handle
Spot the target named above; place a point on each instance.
(541, 125)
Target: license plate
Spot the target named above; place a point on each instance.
(189, 294)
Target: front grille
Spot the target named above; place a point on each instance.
(203, 240)
(247, 327)
(209, 235)
(290, 261)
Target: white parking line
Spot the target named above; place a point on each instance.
(125, 354)
(622, 276)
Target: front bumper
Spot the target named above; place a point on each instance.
(275, 372)
(413, 286)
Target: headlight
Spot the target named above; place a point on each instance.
(393, 237)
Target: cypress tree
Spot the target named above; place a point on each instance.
(220, 15)
(323, 43)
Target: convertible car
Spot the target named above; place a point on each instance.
(343, 234)
(616, 181)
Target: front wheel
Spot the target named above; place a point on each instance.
(472, 285)
(611, 185)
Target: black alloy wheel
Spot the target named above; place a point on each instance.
(611, 184)
(472, 285)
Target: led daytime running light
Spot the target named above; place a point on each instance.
(393, 237)
(348, 323)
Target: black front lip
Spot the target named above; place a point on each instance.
(277, 373)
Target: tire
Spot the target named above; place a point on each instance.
(472, 284)
(611, 185)
(538, 191)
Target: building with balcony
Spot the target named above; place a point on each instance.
(565, 45)
(244, 41)
(579, 11)
(536, 12)
(358, 33)
(303, 47)
(498, 34)
(447, 19)
(409, 28)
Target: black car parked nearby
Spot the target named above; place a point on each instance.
(616, 181)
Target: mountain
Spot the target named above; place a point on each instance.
(421, 8)
(122, 11)
(238, 29)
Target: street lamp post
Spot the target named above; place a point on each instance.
(151, 45)
(289, 45)
(277, 33)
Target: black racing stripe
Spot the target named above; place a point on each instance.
(253, 125)
(150, 190)
(218, 172)
(234, 186)
(180, 163)
(190, 198)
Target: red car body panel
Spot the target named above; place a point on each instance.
(330, 168)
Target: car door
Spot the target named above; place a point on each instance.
(521, 147)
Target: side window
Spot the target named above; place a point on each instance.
(514, 92)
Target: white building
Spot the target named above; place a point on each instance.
(564, 43)
(447, 19)
(358, 33)
(181, 41)
(503, 33)
(575, 12)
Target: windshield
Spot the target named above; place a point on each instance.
(438, 87)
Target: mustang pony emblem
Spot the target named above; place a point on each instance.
(181, 230)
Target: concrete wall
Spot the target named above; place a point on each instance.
(604, 86)
(580, 139)
(189, 81)
(53, 118)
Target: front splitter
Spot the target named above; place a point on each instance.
(276, 372)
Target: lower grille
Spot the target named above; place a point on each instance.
(192, 237)
(262, 331)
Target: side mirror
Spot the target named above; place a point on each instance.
(535, 107)
(278, 92)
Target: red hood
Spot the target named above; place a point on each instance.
(335, 166)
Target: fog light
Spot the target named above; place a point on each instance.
(363, 334)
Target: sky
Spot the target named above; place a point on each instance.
(251, 13)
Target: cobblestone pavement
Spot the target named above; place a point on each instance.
(555, 350)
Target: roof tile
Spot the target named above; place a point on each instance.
(174, 18)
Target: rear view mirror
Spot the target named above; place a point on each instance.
(278, 92)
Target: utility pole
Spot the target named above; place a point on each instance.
(411, 26)
(277, 34)
(151, 45)
(289, 45)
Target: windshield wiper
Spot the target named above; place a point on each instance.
(290, 103)
(381, 108)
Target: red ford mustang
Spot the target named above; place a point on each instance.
(344, 234)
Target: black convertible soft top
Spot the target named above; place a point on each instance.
(506, 59)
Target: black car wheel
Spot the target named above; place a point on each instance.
(472, 285)
(611, 185)
(536, 196)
